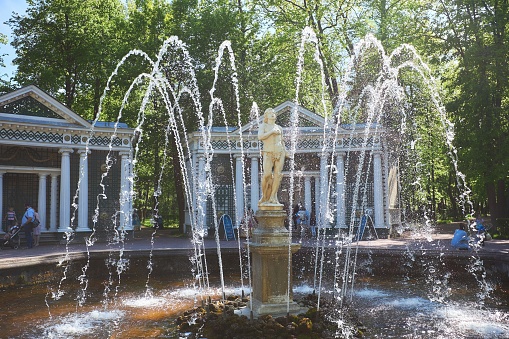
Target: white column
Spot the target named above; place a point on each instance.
(189, 203)
(41, 204)
(201, 202)
(378, 190)
(125, 193)
(65, 190)
(1, 199)
(324, 187)
(317, 198)
(340, 190)
(307, 193)
(255, 183)
(83, 193)
(130, 182)
(239, 191)
(386, 188)
(53, 204)
(193, 180)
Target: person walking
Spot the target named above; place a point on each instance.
(27, 224)
(312, 224)
(36, 229)
(10, 219)
(303, 219)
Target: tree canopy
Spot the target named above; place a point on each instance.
(70, 48)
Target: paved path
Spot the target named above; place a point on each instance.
(147, 240)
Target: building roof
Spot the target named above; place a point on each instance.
(30, 116)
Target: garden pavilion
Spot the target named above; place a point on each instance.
(321, 173)
(44, 147)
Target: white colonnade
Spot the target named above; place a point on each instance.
(63, 201)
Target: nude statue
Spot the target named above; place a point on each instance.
(274, 154)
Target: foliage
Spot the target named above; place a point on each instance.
(3, 41)
(502, 229)
(473, 35)
(69, 49)
(5, 85)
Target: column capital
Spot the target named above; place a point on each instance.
(83, 152)
(65, 150)
(124, 153)
(378, 153)
(238, 155)
(43, 175)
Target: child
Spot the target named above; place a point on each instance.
(10, 218)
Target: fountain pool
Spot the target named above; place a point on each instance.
(390, 299)
(417, 291)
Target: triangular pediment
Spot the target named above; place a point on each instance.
(284, 111)
(28, 106)
(306, 117)
(33, 103)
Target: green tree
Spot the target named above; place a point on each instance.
(68, 47)
(203, 27)
(474, 40)
(5, 84)
(333, 23)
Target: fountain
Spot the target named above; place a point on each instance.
(327, 267)
(271, 245)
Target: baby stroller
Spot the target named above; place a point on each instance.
(12, 238)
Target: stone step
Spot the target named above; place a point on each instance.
(45, 238)
(50, 238)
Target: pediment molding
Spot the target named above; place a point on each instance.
(46, 100)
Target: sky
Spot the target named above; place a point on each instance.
(7, 7)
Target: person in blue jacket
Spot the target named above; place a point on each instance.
(460, 238)
(481, 230)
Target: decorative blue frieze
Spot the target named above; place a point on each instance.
(359, 142)
(49, 137)
(105, 141)
(9, 134)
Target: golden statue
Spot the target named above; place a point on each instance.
(274, 154)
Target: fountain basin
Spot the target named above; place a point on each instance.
(379, 270)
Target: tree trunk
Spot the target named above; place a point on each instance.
(155, 183)
(501, 199)
(450, 193)
(492, 200)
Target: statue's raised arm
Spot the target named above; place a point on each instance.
(274, 153)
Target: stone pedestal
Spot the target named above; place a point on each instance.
(271, 250)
